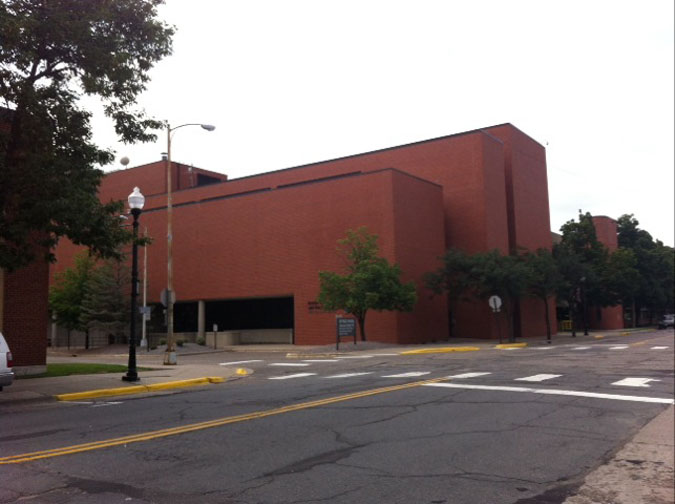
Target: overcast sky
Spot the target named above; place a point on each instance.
(294, 82)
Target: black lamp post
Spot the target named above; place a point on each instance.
(136, 202)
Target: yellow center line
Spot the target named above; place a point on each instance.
(173, 431)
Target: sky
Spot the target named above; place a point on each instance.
(295, 82)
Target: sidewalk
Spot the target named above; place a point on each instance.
(45, 389)
(640, 473)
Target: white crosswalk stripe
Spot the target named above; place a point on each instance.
(407, 375)
(287, 377)
(659, 348)
(634, 382)
(619, 347)
(348, 375)
(238, 362)
(539, 377)
(288, 364)
(581, 348)
(320, 360)
(468, 375)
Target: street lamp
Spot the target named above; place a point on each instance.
(136, 202)
(170, 354)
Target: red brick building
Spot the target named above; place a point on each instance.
(610, 317)
(247, 251)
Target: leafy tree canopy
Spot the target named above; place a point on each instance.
(52, 53)
(68, 291)
(370, 282)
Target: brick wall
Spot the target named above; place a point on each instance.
(26, 315)
(260, 235)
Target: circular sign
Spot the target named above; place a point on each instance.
(495, 303)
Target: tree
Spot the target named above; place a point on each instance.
(370, 282)
(543, 280)
(52, 53)
(454, 279)
(583, 262)
(105, 305)
(623, 278)
(503, 275)
(654, 264)
(67, 294)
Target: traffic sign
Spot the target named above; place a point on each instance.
(495, 303)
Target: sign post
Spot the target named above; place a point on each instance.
(345, 326)
(495, 302)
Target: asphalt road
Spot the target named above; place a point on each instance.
(522, 426)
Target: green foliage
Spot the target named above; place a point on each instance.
(370, 282)
(52, 53)
(644, 278)
(452, 278)
(544, 279)
(68, 369)
(106, 302)
(68, 291)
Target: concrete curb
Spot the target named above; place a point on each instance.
(139, 389)
(440, 350)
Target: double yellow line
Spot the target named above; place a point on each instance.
(148, 436)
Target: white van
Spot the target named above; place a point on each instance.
(6, 363)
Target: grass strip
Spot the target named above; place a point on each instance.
(68, 369)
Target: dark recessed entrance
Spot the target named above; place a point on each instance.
(242, 314)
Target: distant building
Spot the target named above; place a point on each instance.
(247, 251)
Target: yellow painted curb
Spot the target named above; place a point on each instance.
(511, 345)
(242, 372)
(599, 336)
(138, 389)
(440, 350)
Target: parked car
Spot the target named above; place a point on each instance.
(667, 321)
(6, 364)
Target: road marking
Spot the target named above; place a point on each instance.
(574, 393)
(320, 360)
(286, 377)
(348, 375)
(387, 355)
(581, 348)
(542, 348)
(408, 375)
(238, 362)
(538, 377)
(619, 347)
(173, 431)
(468, 375)
(659, 348)
(288, 364)
(634, 382)
(355, 356)
(110, 403)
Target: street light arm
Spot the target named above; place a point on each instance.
(207, 127)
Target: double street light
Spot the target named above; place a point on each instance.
(136, 203)
(170, 354)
